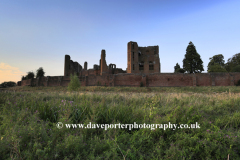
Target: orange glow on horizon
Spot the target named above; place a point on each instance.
(9, 73)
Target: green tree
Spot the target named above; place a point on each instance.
(180, 70)
(24, 78)
(232, 62)
(30, 75)
(192, 63)
(236, 69)
(74, 83)
(217, 59)
(176, 67)
(216, 68)
(40, 72)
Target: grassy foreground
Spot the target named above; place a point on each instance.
(28, 117)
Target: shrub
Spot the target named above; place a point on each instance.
(141, 84)
(7, 84)
(74, 83)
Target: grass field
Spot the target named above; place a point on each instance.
(28, 118)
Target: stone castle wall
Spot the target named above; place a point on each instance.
(134, 80)
(143, 66)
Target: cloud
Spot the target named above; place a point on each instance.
(9, 73)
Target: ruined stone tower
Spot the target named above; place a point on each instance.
(66, 65)
(103, 64)
(143, 59)
(85, 66)
(71, 67)
(132, 57)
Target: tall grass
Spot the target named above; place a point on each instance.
(57, 89)
(28, 124)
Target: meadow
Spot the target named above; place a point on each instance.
(28, 117)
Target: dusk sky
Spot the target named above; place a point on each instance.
(38, 33)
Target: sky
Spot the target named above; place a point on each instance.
(39, 33)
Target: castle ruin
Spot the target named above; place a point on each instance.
(143, 60)
(143, 68)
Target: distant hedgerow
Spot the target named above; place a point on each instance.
(74, 83)
(7, 84)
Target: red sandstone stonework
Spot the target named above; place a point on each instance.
(150, 80)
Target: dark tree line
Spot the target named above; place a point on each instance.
(7, 84)
(192, 62)
(39, 73)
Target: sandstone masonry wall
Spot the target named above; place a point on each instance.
(149, 80)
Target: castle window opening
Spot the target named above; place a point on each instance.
(133, 66)
(139, 53)
(151, 66)
(133, 55)
(141, 66)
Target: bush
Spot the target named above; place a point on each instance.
(74, 83)
(179, 70)
(7, 84)
(141, 84)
